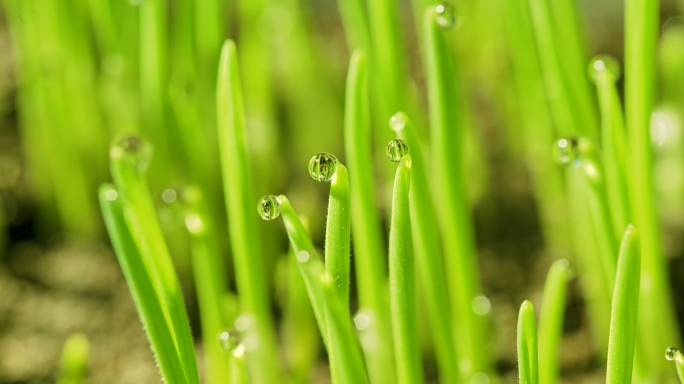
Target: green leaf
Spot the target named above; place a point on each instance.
(528, 366)
(237, 185)
(551, 322)
(74, 364)
(623, 320)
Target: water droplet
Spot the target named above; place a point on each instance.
(481, 305)
(396, 149)
(322, 167)
(447, 16)
(242, 323)
(397, 122)
(111, 194)
(362, 321)
(194, 223)
(136, 151)
(169, 195)
(567, 151)
(563, 264)
(302, 256)
(671, 353)
(229, 339)
(603, 63)
(269, 207)
(479, 378)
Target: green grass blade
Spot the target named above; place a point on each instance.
(210, 280)
(623, 320)
(450, 194)
(402, 280)
(146, 232)
(338, 234)
(551, 322)
(250, 275)
(426, 245)
(74, 362)
(355, 21)
(657, 322)
(332, 317)
(528, 366)
(140, 281)
(368, 244)
(237, 366)
(613, 141)
(337, 245)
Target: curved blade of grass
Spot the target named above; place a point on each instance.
(332, 317)
(623, 320)
(528, 366)
(427, 249)
(657, 322)
(551, 322)
(146, 231)
(402, 280)
(148, 302)
(613, 146)
(450, 194)
(249, 269)
(338, 234)
(74, 362)
(337, 244)
(368, 244)
(210, 280)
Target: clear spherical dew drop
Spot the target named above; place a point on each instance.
(322, 167)
(447, 16)
(604, 64)
(671, 353)
(396, 149)
(269, 207)
(229, 339)
(397, 122)
(567, 151)
(135, 150)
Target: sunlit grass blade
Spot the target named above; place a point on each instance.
(450, 193)
(658, 327)
(249, 268)
(426, 245)
(74, 361)
(338, 234)
(551, 322)
(605, 72)
(355, 20)
(237, 366)
(368, 244)
(332, 317)
(547, 179)
(528, 366)
(148, 302)
(210, 280)
(128, 158)
(623, 321)
(402, 280)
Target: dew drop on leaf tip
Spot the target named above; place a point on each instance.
(269, 207)
(322, 167)
(567, 151)
(604, 64)
(396, 149)
(671, 353)
(447, 16)
(136, 151)
(397, 122)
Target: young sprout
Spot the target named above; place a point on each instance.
(673, 354)
(74, 364)
(528, 365)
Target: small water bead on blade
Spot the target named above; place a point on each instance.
(447, 16)
(567, 151)
(322, 167)
(604, 64)
(229, 339)
(396, 149)
(269, 207)
(136, 151)
(397, 122)
(671, 353)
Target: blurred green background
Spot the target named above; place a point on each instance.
(76, 74)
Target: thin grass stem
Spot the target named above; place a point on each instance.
(528, 365)
(551, 322)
